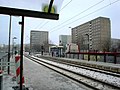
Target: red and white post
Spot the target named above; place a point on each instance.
(17, 64)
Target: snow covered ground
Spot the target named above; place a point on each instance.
(38, 77)
(8, 83)
(100, 76)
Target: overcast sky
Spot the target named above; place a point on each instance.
(72, 14)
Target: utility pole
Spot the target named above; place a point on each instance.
(9, 45)
(21, 51)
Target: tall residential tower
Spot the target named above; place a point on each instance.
(39, 39)
(93, 35)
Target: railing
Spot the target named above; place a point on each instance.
(112, 57)
(4, 63)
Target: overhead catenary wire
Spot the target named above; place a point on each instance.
(38, 25)
(44, 24)
(60, 10)
(79, 14)
(86, 15)
(66, 5)
(73, 16)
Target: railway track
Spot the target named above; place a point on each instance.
(64, 69)
(75, 64)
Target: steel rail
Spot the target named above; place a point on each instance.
(84, 67)
(87, 77)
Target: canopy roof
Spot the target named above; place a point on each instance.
(31, 8)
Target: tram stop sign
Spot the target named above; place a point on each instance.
(48, 9)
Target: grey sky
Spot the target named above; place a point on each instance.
(56, 28)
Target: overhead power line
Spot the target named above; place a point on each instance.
(38, 25)
(79, 14)
(60, 10)
(87, 15)
(44, 24)
(66, 5)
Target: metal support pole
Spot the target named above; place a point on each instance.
(115, 58)
(9, 45)
(12, 46)
(104, 57)
(88, 47)
(50, 6)
(88, 50)
(21, 51)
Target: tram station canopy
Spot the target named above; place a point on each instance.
(48, 9)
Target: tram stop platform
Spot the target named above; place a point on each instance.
(8, 81)
(115, 68)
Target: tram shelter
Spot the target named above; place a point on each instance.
(47, 9)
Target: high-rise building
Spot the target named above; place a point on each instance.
(38, 41)
(64, 39)
(93, 35)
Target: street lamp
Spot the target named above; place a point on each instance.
(88, 40)
(70, 29)
(88, 46)
(13, 45)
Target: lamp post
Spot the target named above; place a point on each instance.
(13, 45)
(88, 47)
(88, 40)
(70, 29)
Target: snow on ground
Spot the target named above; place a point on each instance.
(38, 77)
(100, 76)
(8, 83)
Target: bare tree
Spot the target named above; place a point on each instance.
(83, 45)
(36, 48)
(105, 46)
(115, 46)
(27, 48)
(46, 46)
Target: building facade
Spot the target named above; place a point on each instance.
(115, 44)
(64, 40)
(39, 41)
(93, 35)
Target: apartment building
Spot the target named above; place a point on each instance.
(93, 35)
(39, 40)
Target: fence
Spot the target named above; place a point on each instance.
(4, 63)
(111, 57)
